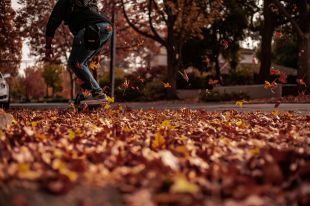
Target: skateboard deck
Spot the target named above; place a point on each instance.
(81, 103)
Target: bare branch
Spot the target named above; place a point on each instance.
(161, 12)
(161, 40)
(287, 15)
(136, 29)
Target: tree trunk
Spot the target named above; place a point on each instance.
(72, 85)
(304, 59)
(172, 64)
(267, 33)
(172, 60)
(47, 90)
(217, 68)
(304, 43)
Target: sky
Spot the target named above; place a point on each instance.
(27, 60)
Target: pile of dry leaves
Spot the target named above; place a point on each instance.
(170, 157)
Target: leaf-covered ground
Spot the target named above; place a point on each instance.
(170, 157)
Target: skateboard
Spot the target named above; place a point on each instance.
(81, 102)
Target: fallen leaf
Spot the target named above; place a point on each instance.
(169, 159)
(158, 142)
(182, 185)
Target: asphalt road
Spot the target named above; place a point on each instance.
(301, 108)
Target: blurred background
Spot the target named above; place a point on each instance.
(217, 50)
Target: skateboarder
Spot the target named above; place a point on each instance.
(91, 30)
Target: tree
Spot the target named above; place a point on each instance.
(278, 13)
(266, 31)
(17, 88)
(171, 24)
(222, 37)
(34, 83)
(10, 41)
(285, 49)
(302, 27)
(51, 75)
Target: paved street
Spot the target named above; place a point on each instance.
(301, 108)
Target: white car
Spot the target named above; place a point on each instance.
(4, 91)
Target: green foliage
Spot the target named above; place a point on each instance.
(57, 98)
(51, 75)
(197, 80)
(230, 29)
(214, 96)
(285, 51)
(17, 88)
(153, 91)
(238, 78)
(141, 85)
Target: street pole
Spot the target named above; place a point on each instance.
(113, 52)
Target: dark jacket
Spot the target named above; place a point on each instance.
(76, 19)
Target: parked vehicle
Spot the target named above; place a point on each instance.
(4, 91)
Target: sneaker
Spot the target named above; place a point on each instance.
(95, 99)
(99, 95)
(79, 97)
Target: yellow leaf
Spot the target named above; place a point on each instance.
(126, 129)
(182, 185)
(93, 65)
(224, 140)
(275, 113)
(62, 168)
(23, 167)
(166, 124)
(239, 103)
(110, 99)
(58, 153)
(14, 121)
(158, 141)
(239, 123)
(267, 85)
(39, 136)
(181, 150)
(34, 124)
(57, 164)
(78, 132)
(120, 108)
(167, 85)
(71, 135)
(254, 151)
(107, 106)
(24, 172)
(70, 174)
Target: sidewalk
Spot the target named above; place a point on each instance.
(296, 107)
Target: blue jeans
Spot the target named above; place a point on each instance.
(79, 57)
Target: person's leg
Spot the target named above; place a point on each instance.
(105, 35)
(78, 61)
